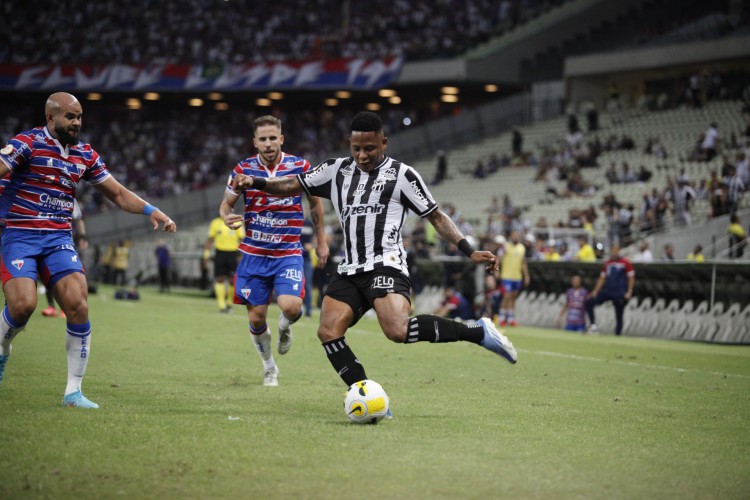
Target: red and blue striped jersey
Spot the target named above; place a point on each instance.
(576, 301)
(273, 224)
(40, 191)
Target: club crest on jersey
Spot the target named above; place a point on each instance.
(245, 292)
(294, 275)
(378, 185)
(388, 174)
(18, 263)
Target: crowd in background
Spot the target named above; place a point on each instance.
(220, 32)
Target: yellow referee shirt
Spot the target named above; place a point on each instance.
(512, 263)
(225, 239)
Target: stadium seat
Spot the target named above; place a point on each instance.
(727, 325)
(697, 322)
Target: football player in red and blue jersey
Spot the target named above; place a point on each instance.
(272, 252)
(46, 164)
(615, 283)
(575, 306)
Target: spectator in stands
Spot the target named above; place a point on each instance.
(479, 170)
(682, 196)
(742, 168)
(644, 174)
(441, 172)
(615, 283)
(735, 187)
(737, 238)
(626, 175)
(454, 305)
(517, 143)
(644, 254)
(668, 253)
(575, 306)
(696, 255)
(710, 142)
(585, 250)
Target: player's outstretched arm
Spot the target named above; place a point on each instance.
(448, 230)
(316, 215)
(279, 186)
(131, 202)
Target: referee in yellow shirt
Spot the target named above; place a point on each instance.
(514, 273)
(227, 242)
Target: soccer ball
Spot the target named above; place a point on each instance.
(366, 402)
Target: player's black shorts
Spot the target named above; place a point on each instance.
(225, 263)
(360, 290)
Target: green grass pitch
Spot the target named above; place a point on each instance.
(184, 414)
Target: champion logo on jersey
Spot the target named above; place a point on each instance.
(245, 292)
(18, 263)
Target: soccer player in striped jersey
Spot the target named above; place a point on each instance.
(272, 252)
(46, 164)
(372, 195)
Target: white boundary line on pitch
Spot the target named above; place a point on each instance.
(630, 363)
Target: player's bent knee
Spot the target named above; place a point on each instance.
(397, 335)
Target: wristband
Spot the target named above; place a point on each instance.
(259, 182)
(465, 247)
(148, 209)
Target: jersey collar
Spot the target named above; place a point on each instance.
(63, 150)
(272, 170)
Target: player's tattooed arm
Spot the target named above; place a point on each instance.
(445, 226)
(279, 186)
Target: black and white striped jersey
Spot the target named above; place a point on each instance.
(372, 208)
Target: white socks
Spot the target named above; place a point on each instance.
(8, 331)
(77, 345)
(262, 343)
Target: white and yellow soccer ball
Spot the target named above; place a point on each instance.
(366, 402)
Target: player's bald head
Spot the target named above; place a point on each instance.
(63, 113)
(59, 101)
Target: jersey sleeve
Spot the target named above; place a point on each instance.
(16, 152)
(318, 181)
(415, 195)
(96, 172)
(629, 269)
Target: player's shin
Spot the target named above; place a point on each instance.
(8, 331)
(262, 341)
(78, 347)
(431, 328)
(344, 361)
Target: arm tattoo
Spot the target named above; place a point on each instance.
(283, 186)
(445, 226)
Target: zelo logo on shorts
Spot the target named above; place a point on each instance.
(383, 283)
(294, 274)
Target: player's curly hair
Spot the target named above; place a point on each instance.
(366, 121)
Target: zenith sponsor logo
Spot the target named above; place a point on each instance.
(355, 210)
